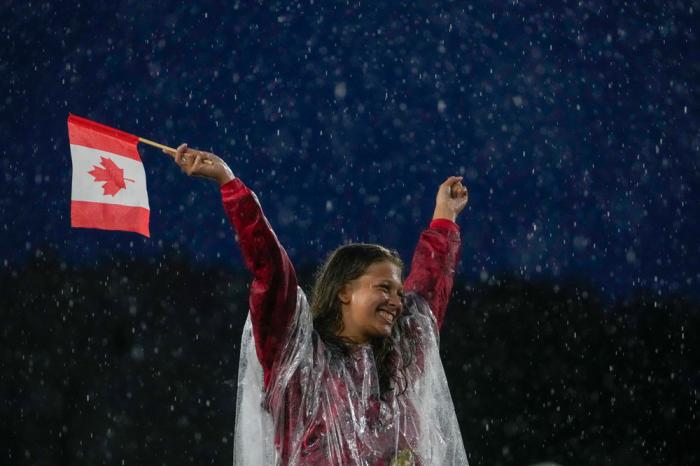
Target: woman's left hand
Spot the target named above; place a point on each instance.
(452, 198)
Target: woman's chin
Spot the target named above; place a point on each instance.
(385, 330)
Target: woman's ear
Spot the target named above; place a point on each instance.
(345, 294)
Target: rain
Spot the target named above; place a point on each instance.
(570, 337)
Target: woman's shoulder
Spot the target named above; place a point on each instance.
(415, 305)
(416, 316)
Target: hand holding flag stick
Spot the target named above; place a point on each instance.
(203, 164)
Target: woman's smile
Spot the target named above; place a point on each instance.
(386, 315)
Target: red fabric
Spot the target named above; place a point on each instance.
(433, 266)
(85, 214)
(88, 133)
(273, 293)
(444, 223)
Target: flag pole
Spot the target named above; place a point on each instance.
(155, 144)
(165, 148)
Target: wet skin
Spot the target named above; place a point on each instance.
(371, 303)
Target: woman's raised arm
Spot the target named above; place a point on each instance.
(273, 292)
(437, 252)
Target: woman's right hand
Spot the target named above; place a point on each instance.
(203, 164)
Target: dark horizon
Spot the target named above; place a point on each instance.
(136, 363)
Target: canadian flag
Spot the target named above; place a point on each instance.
(109, 182)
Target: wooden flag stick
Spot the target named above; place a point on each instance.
(155, 144)
(167, 149)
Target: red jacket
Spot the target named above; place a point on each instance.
(274, 288)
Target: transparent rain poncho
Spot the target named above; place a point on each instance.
(323, 408)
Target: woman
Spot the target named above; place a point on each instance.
(354, 378)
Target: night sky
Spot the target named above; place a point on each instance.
(575, 125)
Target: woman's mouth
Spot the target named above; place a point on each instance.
(387, 316)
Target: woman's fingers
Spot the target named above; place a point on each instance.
(194, 168)
(193, 162)
(450, 185)
(185, 158)
(206, 157)
(180, 154)
(455, 193)
(449, 181)
(463, 194)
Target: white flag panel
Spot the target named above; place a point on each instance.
(86, 188)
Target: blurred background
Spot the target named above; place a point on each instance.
(572, 332)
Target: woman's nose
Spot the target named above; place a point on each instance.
(396, 301)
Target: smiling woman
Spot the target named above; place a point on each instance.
(355, 378)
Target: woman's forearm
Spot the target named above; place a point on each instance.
(433, 266)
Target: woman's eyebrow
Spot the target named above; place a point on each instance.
(392, 283)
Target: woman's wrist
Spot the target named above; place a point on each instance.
(444, 214)
(225, 177)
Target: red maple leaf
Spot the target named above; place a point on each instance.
(111, 174)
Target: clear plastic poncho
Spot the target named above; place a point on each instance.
(322, 408)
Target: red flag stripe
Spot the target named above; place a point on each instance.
(109, 217)
(88, 133)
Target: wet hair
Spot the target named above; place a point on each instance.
(347, 263)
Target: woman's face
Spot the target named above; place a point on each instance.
(372, 303)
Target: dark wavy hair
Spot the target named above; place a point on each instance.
(393, 354)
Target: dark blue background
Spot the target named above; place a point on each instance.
(575, 125)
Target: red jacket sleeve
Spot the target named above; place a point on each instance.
(273, 292)
(433, 266)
